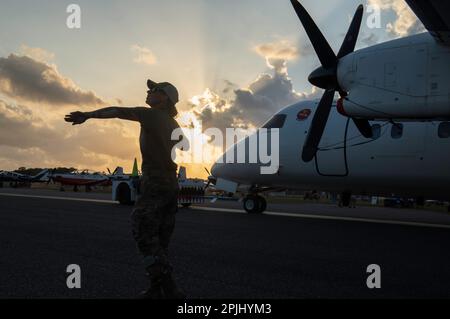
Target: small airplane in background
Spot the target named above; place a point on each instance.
(88, 180)
(77, 179)
(15, 179)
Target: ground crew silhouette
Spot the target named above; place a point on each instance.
(153, 216)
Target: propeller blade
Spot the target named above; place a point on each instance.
(323, 50)
(109, 171)
(364, 127)
(317, 126)
(348, 46)
(207, 171)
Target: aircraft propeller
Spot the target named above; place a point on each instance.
(211, 179)
(325, 76)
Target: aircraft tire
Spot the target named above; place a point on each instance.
(262, 204)
(253, 204)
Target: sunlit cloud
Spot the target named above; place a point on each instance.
(406, 22)
(92, 145)
(143, 55)
(281, 49)
(37, 54)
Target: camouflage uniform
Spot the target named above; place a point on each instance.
(153, 221)
(153, 217)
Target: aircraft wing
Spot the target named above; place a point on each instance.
(435, 16)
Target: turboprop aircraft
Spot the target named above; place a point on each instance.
(387, 134)
(405, 159)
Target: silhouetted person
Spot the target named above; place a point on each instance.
(153, 216)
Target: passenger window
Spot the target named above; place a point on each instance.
(444, 130)
(276, 122)
(397, 130)
(376, 131)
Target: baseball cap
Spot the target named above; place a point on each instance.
(168, 88)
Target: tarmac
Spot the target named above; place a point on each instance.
(218, 251)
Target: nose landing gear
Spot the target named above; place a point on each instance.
(255, 204)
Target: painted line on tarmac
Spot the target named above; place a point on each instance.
(238, 211)
(328, 217)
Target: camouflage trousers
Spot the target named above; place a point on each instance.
(153, 221)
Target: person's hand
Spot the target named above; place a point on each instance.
(76, 118)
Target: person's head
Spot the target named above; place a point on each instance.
(162, 96)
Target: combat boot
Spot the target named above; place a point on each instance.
(170, 288)
(154, 292)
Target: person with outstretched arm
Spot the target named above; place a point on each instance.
(153, 217)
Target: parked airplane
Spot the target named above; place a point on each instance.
(406, 159)
(17, 178)
(87, 179)
(404, 80)
(407, 79)
(77, 179)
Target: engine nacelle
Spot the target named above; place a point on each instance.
(410, 81)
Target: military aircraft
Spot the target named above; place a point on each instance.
(387, 134)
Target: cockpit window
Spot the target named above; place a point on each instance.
(376, 131)
(276, 122)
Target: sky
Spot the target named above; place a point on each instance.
(234, 62)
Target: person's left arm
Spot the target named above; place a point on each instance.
(124, 113)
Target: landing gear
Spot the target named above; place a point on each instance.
(255, 204)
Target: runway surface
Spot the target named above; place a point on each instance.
(295, 251)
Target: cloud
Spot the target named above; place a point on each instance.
(143, 55)
(370, 39)
(37, 54)
(28, 140)
(251, 106)
(282, 49)
(26, 79)
(406, 22)
(277, 53)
